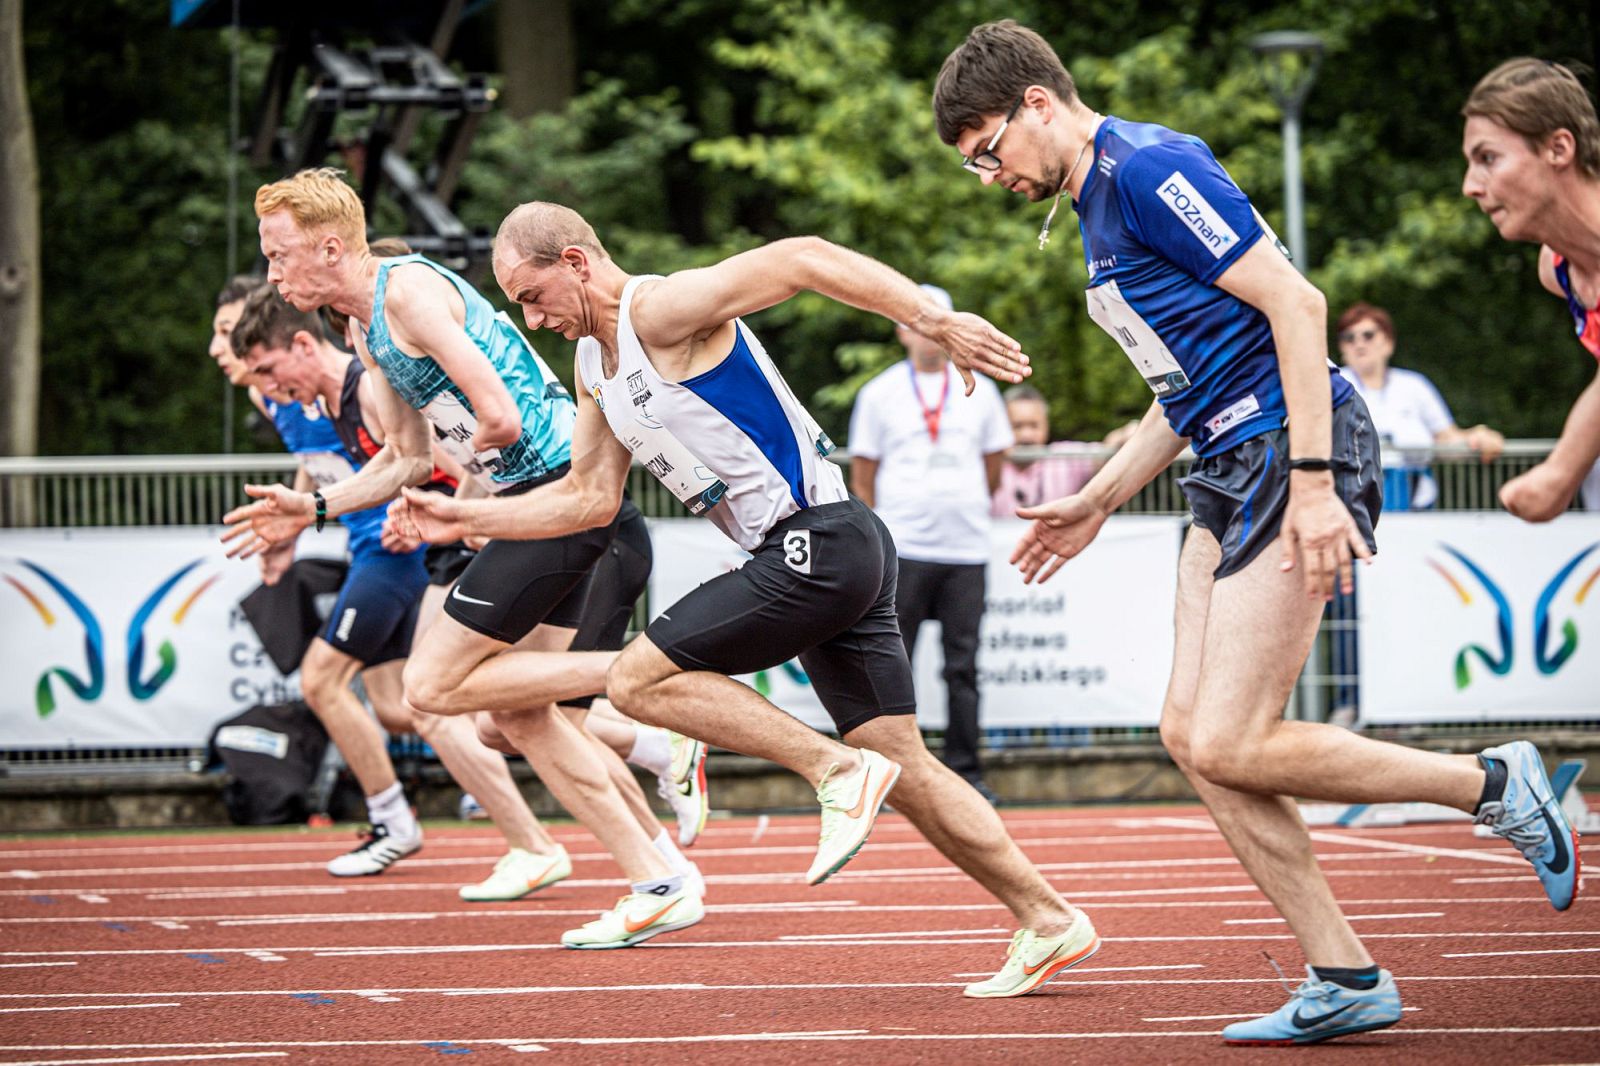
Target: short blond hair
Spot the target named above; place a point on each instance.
(319, 200)
(538, 231)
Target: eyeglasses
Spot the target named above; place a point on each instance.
(986, 160)
(1350, 336)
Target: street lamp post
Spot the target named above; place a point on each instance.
(1289, 61)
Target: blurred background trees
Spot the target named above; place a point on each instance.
(687, 129)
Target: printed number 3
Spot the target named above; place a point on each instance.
(797, 550)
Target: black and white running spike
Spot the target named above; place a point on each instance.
(376, 853)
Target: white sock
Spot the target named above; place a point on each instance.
(669, 851)
(389, 808)
(662, 886)
(652, 750)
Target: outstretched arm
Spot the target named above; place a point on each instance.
(1547, 490)
(691, 303)
(588, 496)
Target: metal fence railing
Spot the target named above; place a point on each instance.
(197, 490)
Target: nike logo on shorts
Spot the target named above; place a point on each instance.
(464, 598)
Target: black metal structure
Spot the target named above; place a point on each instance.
(397, 80)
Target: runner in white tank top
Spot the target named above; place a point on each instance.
(668, 374)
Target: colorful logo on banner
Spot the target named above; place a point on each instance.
(141, 687)
(1500, 662)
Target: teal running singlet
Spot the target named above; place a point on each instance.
(545, 406)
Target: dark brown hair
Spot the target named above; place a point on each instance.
(1535, 98)
(269, 322)
(984, 77)
(238, 287)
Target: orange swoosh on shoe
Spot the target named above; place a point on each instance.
(1031, 970)
(861, 802)
(546, 872)
(633, 927)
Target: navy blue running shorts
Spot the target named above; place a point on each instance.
(376, 612)
(1239, 495)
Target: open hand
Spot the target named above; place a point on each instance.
(1060, 530)
(429, 516)
(1320, 536)
(974, 344)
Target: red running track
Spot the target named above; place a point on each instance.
(237, 947)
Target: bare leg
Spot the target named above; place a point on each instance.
(484, 773)
(1264, 832)
(609, 727)
(450, 672)
(648, 687)
(325, 676)
(627, 785)
(963, 825)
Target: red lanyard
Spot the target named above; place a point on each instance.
(930, 415)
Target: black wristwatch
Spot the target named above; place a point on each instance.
(322, 509)
(1310, 464)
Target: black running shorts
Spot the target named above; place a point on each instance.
(1239, 495)
(615, 585)
(511, 586)
(447, 562)
(820, 587)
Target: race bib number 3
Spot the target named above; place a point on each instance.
(797, 550)
(1117, 317)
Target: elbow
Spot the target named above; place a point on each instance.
(500, 431)
(418, 471)
(600, 507)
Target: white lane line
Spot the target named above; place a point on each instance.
(1546, 951)
(1114, 969)
(90, 1006)
(21, 965)
(1226, 1017)
(144, 1058)
(1348, 917)
(894, 933)
(1496, 855)
(656, 945)
(531, 990)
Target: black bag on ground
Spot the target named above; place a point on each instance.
(273, 752)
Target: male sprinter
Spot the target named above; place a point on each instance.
(286, 350)
(1232, 340)
(385, 607)
(446, 357)
(670, 374)
(1532, 143)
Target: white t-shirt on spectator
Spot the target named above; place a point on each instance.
(1408, 413)
(933, 495)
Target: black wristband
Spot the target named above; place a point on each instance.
(322, 509)
(1310, 464)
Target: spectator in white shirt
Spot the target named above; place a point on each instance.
(1407, 410)
(927, 458)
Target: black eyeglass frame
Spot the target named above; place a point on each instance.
(986, 161)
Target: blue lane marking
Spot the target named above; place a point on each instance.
(41, 899)
(206, 958)
(116, 927)
(445, 1047)
(316, 999)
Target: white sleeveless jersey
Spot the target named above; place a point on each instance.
(733, 443)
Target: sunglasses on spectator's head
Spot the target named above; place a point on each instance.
(1350, 336)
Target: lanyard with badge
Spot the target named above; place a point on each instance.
(930, 415)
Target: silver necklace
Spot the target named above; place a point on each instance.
(1044, 232)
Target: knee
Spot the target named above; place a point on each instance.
(491, 737)
(320, 680)
(626, 688)
(1220, 760)
(424, 689)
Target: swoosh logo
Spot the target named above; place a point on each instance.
(1500, 665)
(1548, 661)
(142, 688)
(93, 645)
(458, 594)
(633, 927)
(1301, 1021)
(1557, 865)
(1031, 970)
(861, 801)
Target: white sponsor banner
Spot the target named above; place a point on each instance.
(1467, 617)
(125, 637)
(1092, 646)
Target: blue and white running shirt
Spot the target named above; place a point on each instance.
(732, 443)
(1161, 221)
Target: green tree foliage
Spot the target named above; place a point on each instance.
(706, 126)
